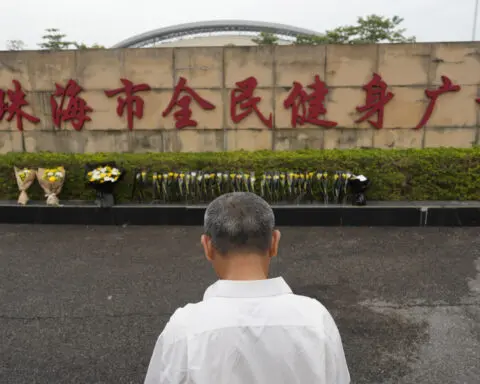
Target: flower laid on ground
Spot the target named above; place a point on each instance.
(275, 186)
(25, 178)
(51, 180)
(322, 180)
(140, 183)
(104, 174)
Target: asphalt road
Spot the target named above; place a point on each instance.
(85, 305)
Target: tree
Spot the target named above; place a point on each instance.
(266, 38)
(369, 30)
(82, 46)
(15, 45)
(53, 40)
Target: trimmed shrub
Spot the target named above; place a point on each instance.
(426, 174)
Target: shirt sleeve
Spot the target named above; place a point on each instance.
(168, 364)
(335, 358)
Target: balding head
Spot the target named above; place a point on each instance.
(239, 222)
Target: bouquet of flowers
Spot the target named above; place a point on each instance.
(140, 183)
(103, 178)
(340, 186)
(25, 178)
(359, 184)
(322, 180)
(309, 180)
(51, 180)
(167, 185)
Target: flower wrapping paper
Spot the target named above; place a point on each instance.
(51, 180)
(25, 178)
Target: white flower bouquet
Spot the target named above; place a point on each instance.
(103, 178)
(102, 175)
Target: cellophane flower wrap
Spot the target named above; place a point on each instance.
(25, 178)
(51, 180)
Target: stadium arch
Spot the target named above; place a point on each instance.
(179, 31)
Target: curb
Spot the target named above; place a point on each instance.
(416, 214)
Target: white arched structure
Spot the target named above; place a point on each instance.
(222, 32)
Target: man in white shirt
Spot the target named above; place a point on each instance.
(248, 329)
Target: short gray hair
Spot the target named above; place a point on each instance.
(239, 222)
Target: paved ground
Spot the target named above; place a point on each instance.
(85, 305)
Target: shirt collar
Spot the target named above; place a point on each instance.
(247, 289)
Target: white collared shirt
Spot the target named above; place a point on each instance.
(250, 332)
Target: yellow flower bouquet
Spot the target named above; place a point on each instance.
(25, 178)
(51, 180)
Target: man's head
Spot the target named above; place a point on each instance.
(239, 225)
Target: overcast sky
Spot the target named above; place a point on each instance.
(109, 21)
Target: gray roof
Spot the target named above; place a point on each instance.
(180, 30)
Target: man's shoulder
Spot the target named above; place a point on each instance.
(183, 315)
(179, 323)
(303, 308)
(306, 302)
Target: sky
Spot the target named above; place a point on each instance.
(107, 22)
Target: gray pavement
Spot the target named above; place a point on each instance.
(85, 305)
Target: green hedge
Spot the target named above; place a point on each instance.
(427, 174)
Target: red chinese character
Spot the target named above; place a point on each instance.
(446, 87)
(14, 107)
(76, 110)
(377, 97)
(243, 97)
(307, 107)
(183, 117)
(133, 103)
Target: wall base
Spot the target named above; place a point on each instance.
(414, 214)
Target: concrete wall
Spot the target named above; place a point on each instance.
(212, 72)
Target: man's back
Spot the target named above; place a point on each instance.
(249, 332)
